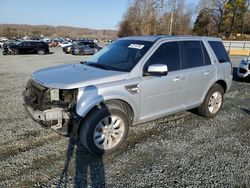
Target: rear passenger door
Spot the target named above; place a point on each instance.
(30, 47)
(200, 72)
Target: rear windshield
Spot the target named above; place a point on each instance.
(219, 51)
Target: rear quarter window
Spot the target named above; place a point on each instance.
(219, 51)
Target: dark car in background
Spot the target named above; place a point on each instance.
(88, 49)
(71, 48)
(26, 47)
(84, 50)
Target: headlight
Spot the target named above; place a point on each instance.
(243, 62)
(69, 96)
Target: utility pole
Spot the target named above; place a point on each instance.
(171, 23)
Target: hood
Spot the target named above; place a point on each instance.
(11, 45)
(75, 76)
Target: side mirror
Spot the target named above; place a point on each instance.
(157, 70)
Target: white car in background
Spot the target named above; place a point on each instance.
(2, 41)
(244, 68)
(63, 44)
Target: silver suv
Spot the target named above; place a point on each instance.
(244, 68)
(132, 80)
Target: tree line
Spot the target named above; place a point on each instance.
(21, 30)
(175, 17)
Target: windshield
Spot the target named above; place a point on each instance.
(121, 55)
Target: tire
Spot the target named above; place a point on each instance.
(14, 51)
(213, 102)
(100, 122)
(5, 53)
(41, 51)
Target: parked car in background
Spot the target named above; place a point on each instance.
(2, 41)
(53, 43)
(1, 44)
(244, 68)
(70, 48)
(89, 48)
(11, 42)
(26, 47)
(83, 50)
(131, 81)
(64, 44)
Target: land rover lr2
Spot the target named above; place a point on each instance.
(130, 81)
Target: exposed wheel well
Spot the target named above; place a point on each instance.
(223, 84)
(122, 104)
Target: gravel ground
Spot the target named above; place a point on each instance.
(181, 150)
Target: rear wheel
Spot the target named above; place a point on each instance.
(213, 102)
(41, 51)
(104, 129)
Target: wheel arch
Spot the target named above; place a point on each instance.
(126, 107)
(88, 108)
(223, 84)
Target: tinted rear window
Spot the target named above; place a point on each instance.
(219, 51)
(194, 54)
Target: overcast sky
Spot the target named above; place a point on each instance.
(94, 14)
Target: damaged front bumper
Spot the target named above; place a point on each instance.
(56, 119)
(51, 108)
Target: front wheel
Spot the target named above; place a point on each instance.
(213, 102)
(14, 52)
(104, 129)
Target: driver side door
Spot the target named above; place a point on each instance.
(161, 95)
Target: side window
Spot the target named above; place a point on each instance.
(219, 51)
(193, 53)
(168, 54)
(24, 44)
(28, 44)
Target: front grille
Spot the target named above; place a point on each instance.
(242, 71)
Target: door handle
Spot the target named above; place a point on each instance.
(206, 73)
(177, 79)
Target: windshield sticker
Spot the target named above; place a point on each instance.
(136, 46)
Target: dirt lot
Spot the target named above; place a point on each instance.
(180, 150)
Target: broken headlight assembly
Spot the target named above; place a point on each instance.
(67, 97)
